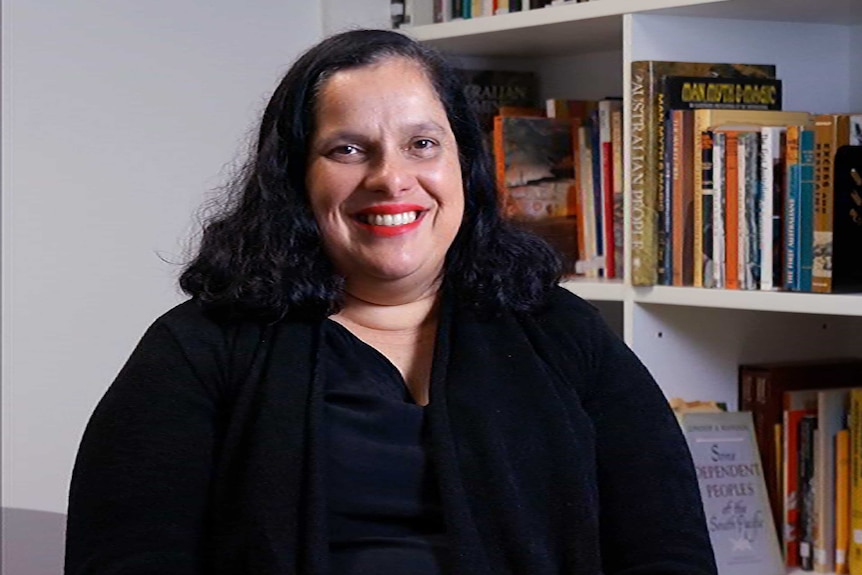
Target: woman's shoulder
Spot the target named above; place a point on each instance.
(567, 309)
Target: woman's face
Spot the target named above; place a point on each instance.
(384, 178)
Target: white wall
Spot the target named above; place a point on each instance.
(341, 15)
(117, 118)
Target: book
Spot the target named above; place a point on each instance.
(847, 221)
(682, 218)
(805, 210)
(854, 557)
(718, 209)
(704, 227)
(733, 492)
(797, 406)
(742, 93)
(488, 90)
(771, 185)
(832, 408)
(535, 173)
(761, 391)
(831, 131)
(807, 433)
(647, 149)
(842, 501)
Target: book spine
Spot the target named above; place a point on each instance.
(806, 209)
(842, 500)
(697, 204)
(619, 189)
(665, 205)
(742, 230)
(607, 185)
(598, 191)
(807, 431)
(831, 132)
(704, 227)
(644, 221)
(718, 207)
(791, 221)
(677, 230)
(855, 554)
(793, 414)
(752, 205)
(731, 223)
(769, 154)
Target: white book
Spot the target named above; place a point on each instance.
(832, 406)
(856, 130)
(718, 207)
(770, 160)
(742, 229)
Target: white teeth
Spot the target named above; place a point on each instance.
(392, 219)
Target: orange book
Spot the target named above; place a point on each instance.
(854, 554)
(831, 131)
(731, 214)
(842, 500)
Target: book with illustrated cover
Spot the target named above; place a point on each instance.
(536, 178)
(733, 492)
(648, 110)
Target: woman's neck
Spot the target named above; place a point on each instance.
(404, 318)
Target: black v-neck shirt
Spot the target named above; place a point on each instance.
(385, 516)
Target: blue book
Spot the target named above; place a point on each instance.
(805, 210)
(791, 211)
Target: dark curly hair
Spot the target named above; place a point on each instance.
(262, 256)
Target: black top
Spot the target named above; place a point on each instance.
(205, 457)
(384, 506)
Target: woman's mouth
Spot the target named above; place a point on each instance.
(390, 220)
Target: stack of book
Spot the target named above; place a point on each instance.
(558, 164)
(446, 10)
(560, 174)
(808, 426)
(729, 191)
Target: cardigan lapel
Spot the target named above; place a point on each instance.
(510, 443)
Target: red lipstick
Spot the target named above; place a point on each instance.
(364, 217)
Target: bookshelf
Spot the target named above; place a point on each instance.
(691, 339)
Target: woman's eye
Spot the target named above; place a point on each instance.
(345, 150)
(423, 144)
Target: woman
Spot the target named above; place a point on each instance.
(377, 375)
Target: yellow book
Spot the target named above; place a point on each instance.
(842, 500)
(855, 551)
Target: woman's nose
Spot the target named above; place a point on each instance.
(390, 173)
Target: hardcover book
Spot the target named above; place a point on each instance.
(732, 488)
(648, 110)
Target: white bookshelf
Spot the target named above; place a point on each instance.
(691, 339)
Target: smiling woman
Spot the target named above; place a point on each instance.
(375, 373)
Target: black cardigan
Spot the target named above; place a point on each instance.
(556, 453)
